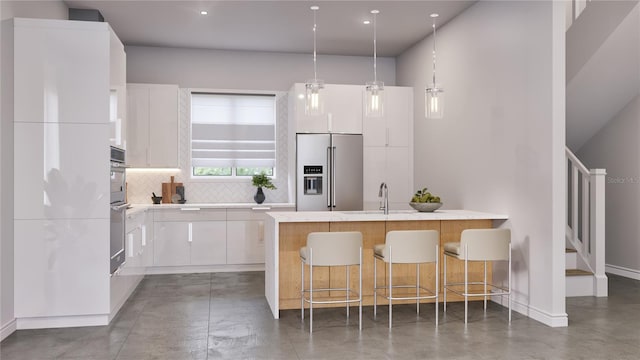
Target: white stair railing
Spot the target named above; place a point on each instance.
(586, 218)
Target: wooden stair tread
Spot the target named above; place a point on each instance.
(577, 272)
(570, 250)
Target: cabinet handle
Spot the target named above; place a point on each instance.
(190, 209)
(130, 245)
(190, 232)
(143, 228)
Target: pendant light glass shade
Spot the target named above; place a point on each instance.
(374, 94)
(434, 94)
(314, 88)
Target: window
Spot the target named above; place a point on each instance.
(232, 134)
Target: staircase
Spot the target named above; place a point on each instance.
(585, 236)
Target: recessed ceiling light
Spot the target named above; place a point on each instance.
(204, 12)
(434, 15)
(366, 22)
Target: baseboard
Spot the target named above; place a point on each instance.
(623, 271)
(8, 329)
(62, 321)
(559, 320)
(158, 270)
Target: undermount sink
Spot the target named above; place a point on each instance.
(379, 212)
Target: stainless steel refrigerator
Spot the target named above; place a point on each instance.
(329, 172)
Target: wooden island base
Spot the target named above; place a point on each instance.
(293, 236)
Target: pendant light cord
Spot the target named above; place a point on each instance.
(315, 66)
(434, 53)
(375, 50)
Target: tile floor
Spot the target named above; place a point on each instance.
(225, 316)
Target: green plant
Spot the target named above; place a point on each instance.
(261, 180)
(423, 196)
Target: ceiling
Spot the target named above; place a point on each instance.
(274, 26)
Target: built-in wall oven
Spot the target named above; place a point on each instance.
(118, 208)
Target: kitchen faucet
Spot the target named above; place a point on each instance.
(384, 204)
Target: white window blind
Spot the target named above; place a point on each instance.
(232, 130)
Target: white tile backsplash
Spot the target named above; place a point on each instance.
(141, 184)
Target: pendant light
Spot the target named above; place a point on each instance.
(374, 101)
(314, 94)
(434, 95)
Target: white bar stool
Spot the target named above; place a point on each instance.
(479, 245)
(331, 249)
(407, 247)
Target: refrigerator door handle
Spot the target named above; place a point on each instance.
(329, 164)
(333, 175)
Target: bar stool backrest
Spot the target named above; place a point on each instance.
(485, 244)
(335, 248)
(411, 246)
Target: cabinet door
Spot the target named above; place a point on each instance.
(305, 123)
(245, 242)
(399, 115)
(133, 249)
(375, 173)
(208, 242)
(171, 246)
(399, 177)
(394, 128)
(147, 241)
(137, 126)
(344, 108)
(118, 86)
(163, 126)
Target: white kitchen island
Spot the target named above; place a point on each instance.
(286, 232)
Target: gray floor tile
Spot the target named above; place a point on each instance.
(225, 316)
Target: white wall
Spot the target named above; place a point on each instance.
(500, 147)
(236, 70)
(8, 9)
(616, 149)
(247, 70)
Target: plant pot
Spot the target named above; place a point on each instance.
(259, 197)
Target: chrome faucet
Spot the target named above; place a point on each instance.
(384, 204)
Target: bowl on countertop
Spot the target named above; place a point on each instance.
(425, 207)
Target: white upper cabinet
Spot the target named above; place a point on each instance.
(342, 110)
(118, 94)
(152, 125)
(395, 127)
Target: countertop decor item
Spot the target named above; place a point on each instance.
(156, 199)
(169, 189)
(425, 207)
(424, 201)
(261, 181)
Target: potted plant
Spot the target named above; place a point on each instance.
(261, 181)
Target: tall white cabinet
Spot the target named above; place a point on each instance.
(64, 74)
(388, 150)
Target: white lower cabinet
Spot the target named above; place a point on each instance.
(189, 236)
(208, 243)
(172, 247)
(209, 237)
(245, 242)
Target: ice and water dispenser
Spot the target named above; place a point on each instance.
(312, 180)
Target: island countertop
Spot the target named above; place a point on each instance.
(378, 215)
(286, 231)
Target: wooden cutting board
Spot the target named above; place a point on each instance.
(168, 190)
